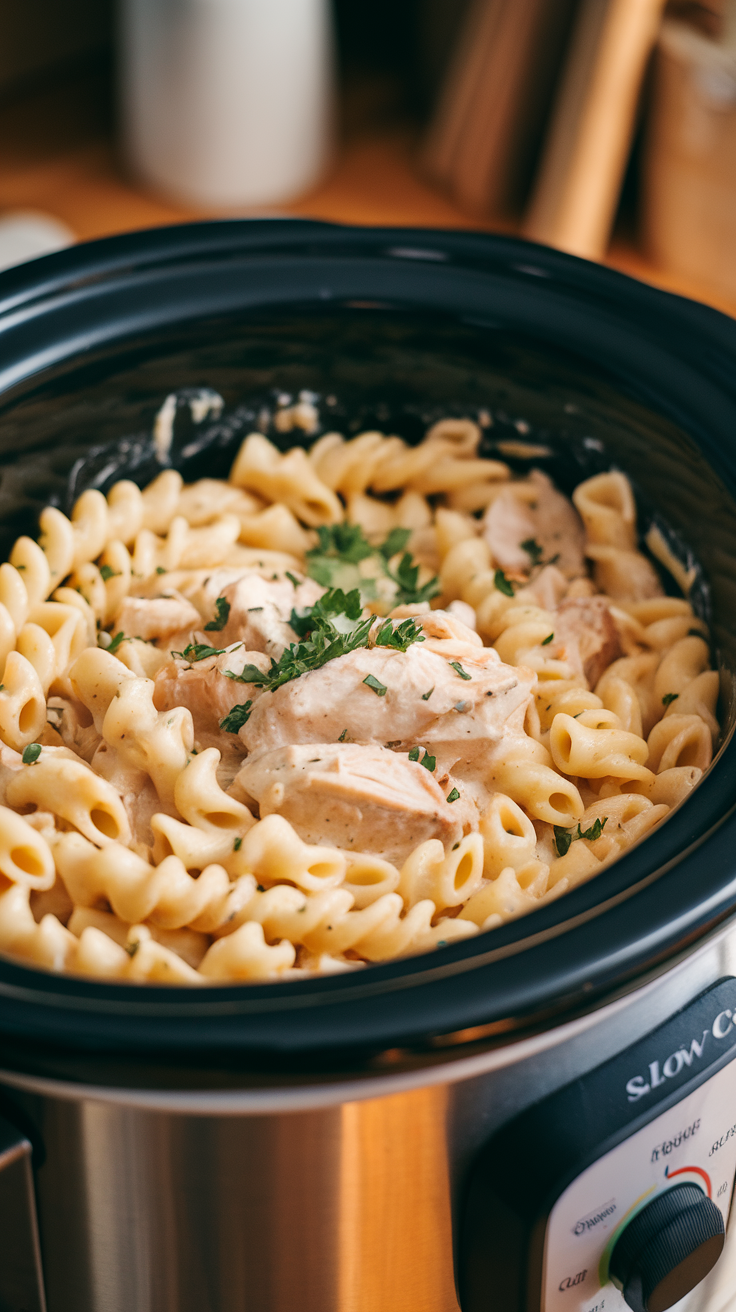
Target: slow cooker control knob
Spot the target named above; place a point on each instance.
(668, 1248)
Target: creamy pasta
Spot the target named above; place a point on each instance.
(357, 701)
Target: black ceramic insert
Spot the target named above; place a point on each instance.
(388, 328)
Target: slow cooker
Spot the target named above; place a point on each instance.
(539, 1119)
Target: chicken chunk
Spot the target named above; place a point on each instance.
(507, 523)
(365, 799)
(156, 617)
(458, 710)
(585, 628)
(549, 520)
(260, 610)
(208, 693)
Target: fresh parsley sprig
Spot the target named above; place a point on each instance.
(565, 837)
(237, 717)
(333, 627)
(222, 615)
(334, 563)
(198, 651)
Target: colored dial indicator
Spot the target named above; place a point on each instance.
(691, 1170)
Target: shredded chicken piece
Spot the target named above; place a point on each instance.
(550, 521)
(586, 632)
(260, 610)
(208, 693)
(367, 799)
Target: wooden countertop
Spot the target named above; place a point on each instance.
(57, 154)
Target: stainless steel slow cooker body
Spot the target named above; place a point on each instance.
(251, 1147)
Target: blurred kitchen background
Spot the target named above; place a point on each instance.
(603, 127)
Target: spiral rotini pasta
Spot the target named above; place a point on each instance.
(354, 702)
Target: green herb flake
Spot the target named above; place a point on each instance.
(343, 736)
(670, 697)
(457, 667)
(546, 641)
(2, 687)
(503, 584)
(160, 570)
(107, 573)
(222, 615)
(132, 948)
(197, 651)
(406, 578)
(236, 718)
(401, 636)
(237, 844)
(453, 795)
(292, 579)
(532, 549)
(119, 637)
(31, 753)
(426, 695)
(565, 837)
(395, 542)
(375, 685)
(429, 762)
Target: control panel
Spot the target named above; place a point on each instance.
(615, 1192)
(693, 1144)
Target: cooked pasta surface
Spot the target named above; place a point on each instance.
(355, 702)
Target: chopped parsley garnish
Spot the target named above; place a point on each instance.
(292, 579)
(564, 837)
(119, 637)
(457, 667)
(333, 627)
(107, 572)
(237, 844)
(198, 651)
(406, 579)
(670, 697)
(453, 795)
(31, 753)
(161, 570)
(503, 584)
(132, 948)
(546, 641)
(375, 684)
(236, 718)
(222, 615)
(401, 637)
(343, 736)
(532, 549)
(429, 762)
(426, 695)
(334, 563)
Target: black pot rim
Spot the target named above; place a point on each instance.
(635, 917)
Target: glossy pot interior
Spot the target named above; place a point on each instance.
(389, 330)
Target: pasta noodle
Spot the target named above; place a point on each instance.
(360, 700)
